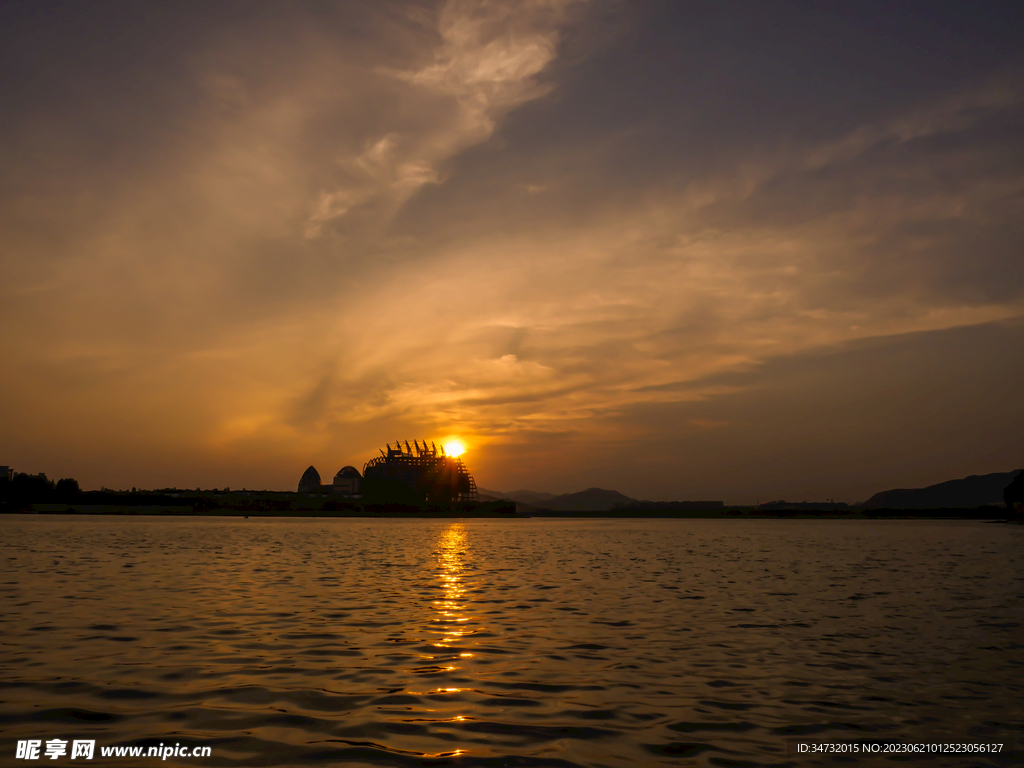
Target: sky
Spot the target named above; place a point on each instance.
(684, 250)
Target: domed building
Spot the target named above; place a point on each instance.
(347, 481)
(416, 474)
(310, 482)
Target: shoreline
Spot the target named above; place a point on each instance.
(485, 510)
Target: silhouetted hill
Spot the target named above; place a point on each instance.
(590, 500)
(533, 498)
(973, 491)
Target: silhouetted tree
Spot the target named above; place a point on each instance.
(24, 490)
(67, 489)
(1014, 493)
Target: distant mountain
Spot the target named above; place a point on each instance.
(973, 491)
(484, 495)
(533, 498)
(590, 500)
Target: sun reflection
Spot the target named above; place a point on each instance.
(452, 618)
(452, 556)
(451, 551)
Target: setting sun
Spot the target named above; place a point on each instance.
(454, 449)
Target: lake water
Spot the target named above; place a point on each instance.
(510, 642)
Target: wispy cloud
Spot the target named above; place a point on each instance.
(338, 234)
(490, 60)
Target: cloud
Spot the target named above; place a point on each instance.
(326, 232)
(648, 303)
(490, 60)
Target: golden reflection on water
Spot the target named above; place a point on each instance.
(452, 553)
(682, 675)
(452, 618)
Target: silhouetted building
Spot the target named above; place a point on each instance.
(408, 475)
(425, 471)
(796, 506)
(310, 481)
(347, 481)
(6, 473)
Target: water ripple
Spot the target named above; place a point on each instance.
(551, 643)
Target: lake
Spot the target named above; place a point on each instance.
(537, 642)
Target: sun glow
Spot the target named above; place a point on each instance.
(454, 449)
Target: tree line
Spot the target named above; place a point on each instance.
(21, 490)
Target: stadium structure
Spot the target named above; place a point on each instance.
(440, 479)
